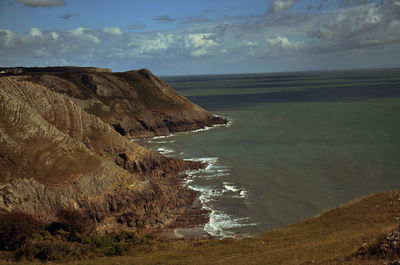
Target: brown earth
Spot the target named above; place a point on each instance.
(62, 146)
(136, 103)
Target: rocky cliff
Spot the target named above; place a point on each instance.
(136, 103)
(62, 146)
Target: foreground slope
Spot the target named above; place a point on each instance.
(334, 237)
(55, 155)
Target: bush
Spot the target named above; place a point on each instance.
(46, 247)
(74, 221)
(70, 238)
(15, 227)
(66, 245)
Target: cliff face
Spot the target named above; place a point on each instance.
(58, 150)
(136, 103)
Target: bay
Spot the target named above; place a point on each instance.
(298, 144)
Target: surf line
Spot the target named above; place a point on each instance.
(221, 224)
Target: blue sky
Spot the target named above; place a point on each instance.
(201, 37)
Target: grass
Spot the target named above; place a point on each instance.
(147, 94)
(330, 238)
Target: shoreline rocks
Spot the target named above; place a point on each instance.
(64, 144)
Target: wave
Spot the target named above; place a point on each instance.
(165, 151)
(220, 224)
(212, 170)
(230, 187)
(214, 186)
(206, 128)
(160, 142)
(161, 136)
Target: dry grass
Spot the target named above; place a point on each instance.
(330, 238)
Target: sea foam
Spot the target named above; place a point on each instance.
(220, 222)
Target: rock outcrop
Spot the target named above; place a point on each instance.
(63, 146)
(136, 103)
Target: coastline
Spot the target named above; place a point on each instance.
(191, 224)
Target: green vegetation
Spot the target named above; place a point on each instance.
(334, 237)
(64, 245)
(70, 239)
(148, 95)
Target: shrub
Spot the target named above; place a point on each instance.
(70, 238)
(15, 227)
(74, 221)
(66, 245)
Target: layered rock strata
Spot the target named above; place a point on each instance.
(136, 103)
(62, 147)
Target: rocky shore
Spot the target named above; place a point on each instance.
(64, 146)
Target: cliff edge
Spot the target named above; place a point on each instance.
(63, 147)
(136, 103)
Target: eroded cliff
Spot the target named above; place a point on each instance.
(136, 103)
(62, 147)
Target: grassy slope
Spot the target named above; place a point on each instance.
(329, 238)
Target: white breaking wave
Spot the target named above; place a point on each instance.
(211, 182)
(220, 223)
(160, 142)
(206, 128)
(162, 136)
(231, 187)
(212, 170)
(164, 151)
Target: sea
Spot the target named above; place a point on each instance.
(297, 144)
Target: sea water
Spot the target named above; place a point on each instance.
(297, 144)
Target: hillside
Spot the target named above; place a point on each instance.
(62, 147)
(361, 232)
(349, 234)
(136, 103)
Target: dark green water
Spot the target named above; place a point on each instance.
(298, 144)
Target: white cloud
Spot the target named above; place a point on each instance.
(114, 31)
(42, 3)
(200, 44)
(280, 5)
(269, 37)
(35, 33)
(83, 34)
(54, 35)
(160, 42)
(354, 2)
(282, 42)
(7, 38)
(357, 27)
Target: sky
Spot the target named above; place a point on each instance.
(178, 37)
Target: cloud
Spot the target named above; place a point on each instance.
(164, 19)
(66, 16)
(358, 27)
(54, 35)
(113, 31)
(347, 3)
(222, 43)
(35, 33)
(200, 44)
(7, 39)
(136, 26)
(280, 5)
(282, 42)
(84, 34)
(42, 3)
